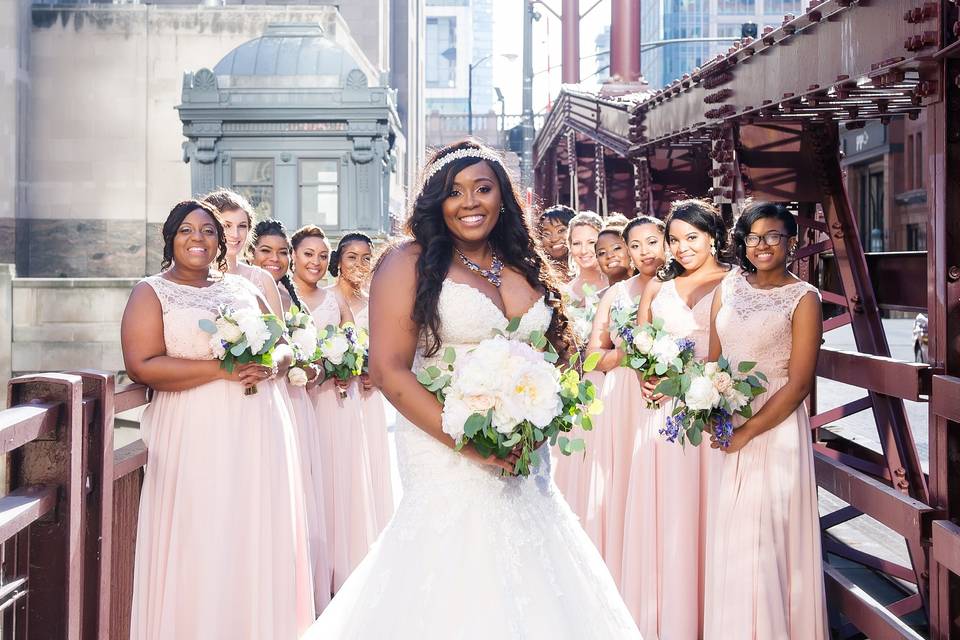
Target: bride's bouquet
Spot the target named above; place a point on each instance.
(706, 398)
(507, 394)
(304, 341)
(649, 349)
(241, 336)
(342, 351)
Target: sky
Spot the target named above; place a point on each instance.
(508, 39)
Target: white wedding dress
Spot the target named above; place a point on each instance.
(470, 554)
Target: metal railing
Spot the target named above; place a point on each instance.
(68, 520)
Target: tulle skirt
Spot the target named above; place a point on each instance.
(222, 549)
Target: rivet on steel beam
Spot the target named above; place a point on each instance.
(953, 273)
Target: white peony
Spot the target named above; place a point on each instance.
(481, 371)
(305, 340)
(228, 331)
(253, 327)
(297, 376)
(710, 369)
(643, 341)
(665, 349)
(335, 347)
(535, 394)
(701, 395)
(723, 382)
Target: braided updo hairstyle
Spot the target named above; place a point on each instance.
(353, 236)
(276, 228)
(703, 215)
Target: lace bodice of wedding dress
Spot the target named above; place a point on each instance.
(471, 555)
(184, 306)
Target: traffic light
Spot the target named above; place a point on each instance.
(748, 30)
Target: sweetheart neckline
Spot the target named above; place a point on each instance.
(540, 301)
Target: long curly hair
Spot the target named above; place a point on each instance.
(511, 238)
(175, 218)
(703, 215)
(276, 228)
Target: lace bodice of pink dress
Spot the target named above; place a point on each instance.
(184, 306)
(756, 325)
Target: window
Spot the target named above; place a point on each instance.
(253, 179)
(916, 237)
(732, 30)
(781, 8)
(736, 7)
(918, 162)
(320, 192)
(441, 52)
(908, 159)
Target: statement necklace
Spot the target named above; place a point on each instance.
(491, 275)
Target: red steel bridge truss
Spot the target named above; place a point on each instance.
(763, 121)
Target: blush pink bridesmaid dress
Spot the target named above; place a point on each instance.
(222, 549)
(667, 502)
(764, 568)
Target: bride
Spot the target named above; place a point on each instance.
(469, 553)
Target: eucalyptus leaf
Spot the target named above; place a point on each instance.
(474, 424)
(745, 367)
(208, 325)
(591, 362)
(513, 325)
(449, 355)
(660, 369)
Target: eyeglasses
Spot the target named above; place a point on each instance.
(770, 238)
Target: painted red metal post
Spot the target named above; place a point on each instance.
(625, 40)
(570, 40)
(57, 542)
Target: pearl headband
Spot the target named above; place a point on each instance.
(482, 154)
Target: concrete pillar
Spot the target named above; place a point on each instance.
(7, 273)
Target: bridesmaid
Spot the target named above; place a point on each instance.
(351, 264)
(237, 216)
(221, 538)
(553, 226)
(271, 252)
(764, 571)
(612, 255)
(623, 406)
(581, 299)
(667, 580)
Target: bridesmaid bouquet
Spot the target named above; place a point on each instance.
(650, 350)
(243, 336)
(507, 393)
(303, 340)
(581, 317)
(707, 396)
(342, 351)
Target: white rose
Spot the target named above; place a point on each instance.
(228, 331)
(305, 340)
(710, 369)
(665, 349)
(643, 341)
(723, 382)
(701, 395)
(297, 376)
(335, 347)
(216, 347)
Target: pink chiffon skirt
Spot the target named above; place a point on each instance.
(572, 473)
(764, 567)
(222, 549)
(354, 468)
(665, 532)
(311, 465)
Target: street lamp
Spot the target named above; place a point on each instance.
(473, 65)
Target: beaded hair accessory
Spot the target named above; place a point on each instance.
(459, 154)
